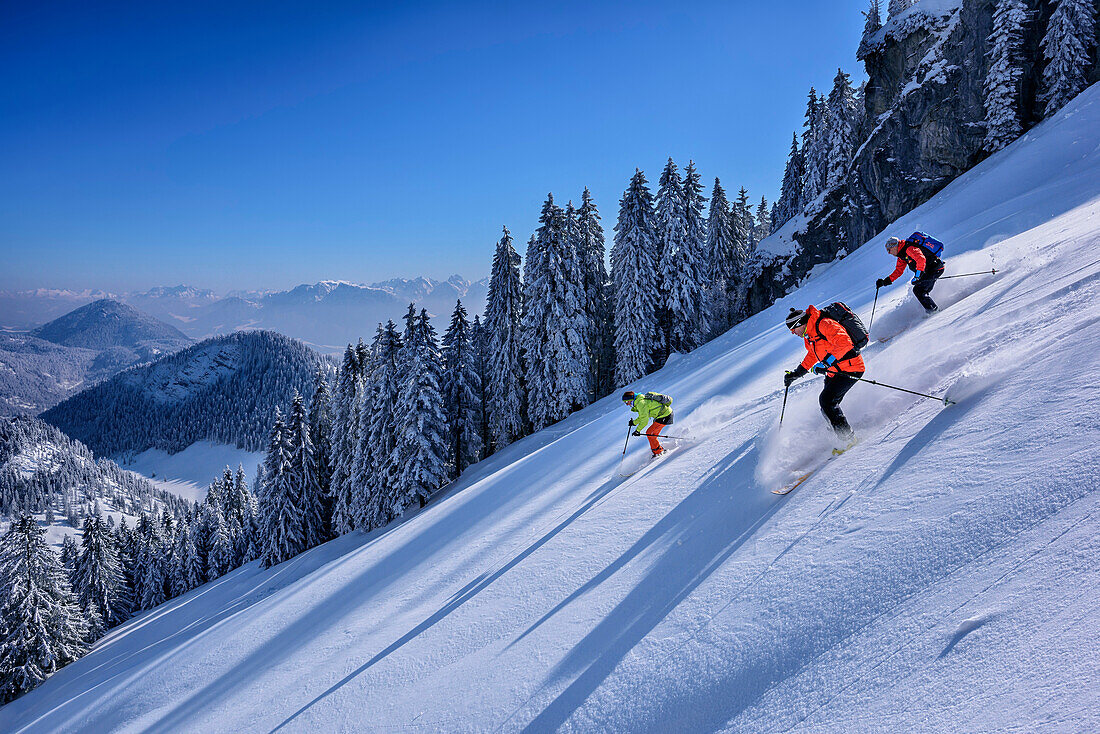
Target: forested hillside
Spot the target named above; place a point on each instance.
(223, 390)
(44, 472)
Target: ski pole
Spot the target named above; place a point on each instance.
(965, 275)
(873, 306)
(661, 435)
(945, 400)
(786, 389)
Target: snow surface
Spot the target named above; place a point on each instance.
(189, 473)
(940, 576)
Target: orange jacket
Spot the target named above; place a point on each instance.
(824, 336)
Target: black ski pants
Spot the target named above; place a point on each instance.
(924, 286)
(836, 387)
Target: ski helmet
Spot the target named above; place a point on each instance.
(628, 396)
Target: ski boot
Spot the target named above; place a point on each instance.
(852, 441)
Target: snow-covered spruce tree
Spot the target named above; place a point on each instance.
(177, 576)
(554, 343)
(871, 26)
(763, 221)
(320, 431)
(124, 543)
(379, 474)
(684, 270)
(721, 260)
(248, 541)
(592, 251)
(841, 126)
(1069, 37)
(897, 7)
(479, 344)
(633, 281)
(220, 558)
(362, 358)
(461, 392)
(421, 451)
(195, 561)
(41, 626)
(1002, 87)
(216, 493)
(573, 268)
(151, 589)
(69, 555)
(345, 436)
(669, 221)
(303, 474)
(815, 149)
(238, 501)
(280, 525)
(743, 225)
(790, 194)
(503, 314)
(98, 581)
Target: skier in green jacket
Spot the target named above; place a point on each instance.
(649, 405)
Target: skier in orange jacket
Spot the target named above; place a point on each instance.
(829, 352)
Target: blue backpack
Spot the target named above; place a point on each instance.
(931, 244)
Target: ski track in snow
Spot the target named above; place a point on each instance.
(940, 576)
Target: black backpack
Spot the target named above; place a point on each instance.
(844, 316)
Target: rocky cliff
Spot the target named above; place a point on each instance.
(923, 125)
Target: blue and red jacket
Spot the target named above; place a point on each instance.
(910, 255)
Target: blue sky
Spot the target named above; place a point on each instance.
(265, 144)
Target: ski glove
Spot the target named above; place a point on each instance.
(791, 375)
(636, 433)
(882, 282)
(823, 366)
(918, 276)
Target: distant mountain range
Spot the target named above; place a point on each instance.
(325, 315)
(77, 350)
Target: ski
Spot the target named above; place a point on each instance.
(795, 484)
(787, 488)
(650, 462)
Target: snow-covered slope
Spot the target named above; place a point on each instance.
(188, 473)
(941, 576)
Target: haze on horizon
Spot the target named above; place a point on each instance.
(240, 146)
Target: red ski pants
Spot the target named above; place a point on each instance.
(651, 433)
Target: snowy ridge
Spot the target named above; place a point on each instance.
(940, 576)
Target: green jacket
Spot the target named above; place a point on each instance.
(647, 409)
